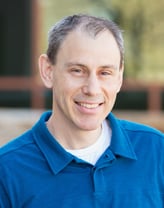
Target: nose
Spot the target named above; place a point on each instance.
(92, 86)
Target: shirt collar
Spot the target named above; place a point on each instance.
(120, 142)
(58, 158)
(54, 153)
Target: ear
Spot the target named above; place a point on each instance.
(121, 73)
(46, 70)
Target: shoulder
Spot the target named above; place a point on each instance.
(15, 145)
(143, 136)
(134, 130)
(24, 141)
(139, 128)
(146, 141)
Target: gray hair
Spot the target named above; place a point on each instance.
(91, 24)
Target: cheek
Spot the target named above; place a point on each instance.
(111, 91)
(117, 83)
(113, 86)
(64, 89)
(71, 86)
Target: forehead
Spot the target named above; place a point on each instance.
(80, 37)
(82, 46)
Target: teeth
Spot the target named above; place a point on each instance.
(86, 105)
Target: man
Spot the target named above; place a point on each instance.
(80, 154)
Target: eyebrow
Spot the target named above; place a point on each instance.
(109, 66)
(75, 64)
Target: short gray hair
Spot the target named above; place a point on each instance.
(93, 25)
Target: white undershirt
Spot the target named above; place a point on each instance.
(92, 153)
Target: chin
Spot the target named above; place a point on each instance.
(89, 127)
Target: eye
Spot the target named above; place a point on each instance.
(106, 73)
(76, 70)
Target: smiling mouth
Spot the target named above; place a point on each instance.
(89, 105)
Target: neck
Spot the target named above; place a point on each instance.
(72, 138)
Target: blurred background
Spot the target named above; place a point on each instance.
(24, 26)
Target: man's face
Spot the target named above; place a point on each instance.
(86, 80)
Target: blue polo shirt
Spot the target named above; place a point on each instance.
(36, 172)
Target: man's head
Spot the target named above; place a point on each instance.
(90, 24)
(84, 68)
